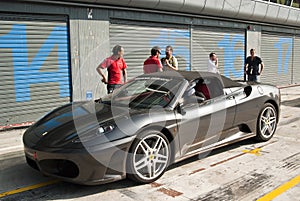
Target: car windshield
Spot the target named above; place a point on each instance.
(144, 93)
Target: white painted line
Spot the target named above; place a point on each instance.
(11, 149)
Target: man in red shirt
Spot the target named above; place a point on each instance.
(116, 67)
(153, 63)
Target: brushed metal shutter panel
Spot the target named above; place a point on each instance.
(296, 60)
(138, 40)
(35, 69)
(206, 40)
(276, 54)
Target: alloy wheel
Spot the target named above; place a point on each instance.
(267, 122)
(151, 157)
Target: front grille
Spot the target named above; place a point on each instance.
(62, 168)
(32, 163)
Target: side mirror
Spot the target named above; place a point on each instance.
(180, 109)
(248, 90)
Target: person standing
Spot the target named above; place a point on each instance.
(212, 65)
(153, 64)
(252, 66)
(169, 62)
(116, 68)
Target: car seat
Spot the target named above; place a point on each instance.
(202, 89)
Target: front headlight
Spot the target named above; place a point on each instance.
(105, 129)
(92, 134)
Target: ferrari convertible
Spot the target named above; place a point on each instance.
(150, 122)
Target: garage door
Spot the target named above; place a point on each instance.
(276, 53)
(228, 44)
(296, 61)
(35, 70)
(138, 39)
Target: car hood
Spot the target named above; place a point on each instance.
(55, 128)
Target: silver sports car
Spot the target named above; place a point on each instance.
(149, 123)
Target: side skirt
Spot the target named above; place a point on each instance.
(234, 138)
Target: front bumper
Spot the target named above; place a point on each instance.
(82, 166)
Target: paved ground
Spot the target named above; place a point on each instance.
(243, 171)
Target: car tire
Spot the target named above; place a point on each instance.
(149, 157)
(266, 123)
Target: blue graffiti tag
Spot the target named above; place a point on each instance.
(231, 54)
(279, 46)
(169, 37)
(27, 73)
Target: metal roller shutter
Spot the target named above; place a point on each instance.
(35, 70)
(138, 40)
(228, 44)
(296, 61)
(276, 53)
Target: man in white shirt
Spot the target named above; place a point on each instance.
(213, 63)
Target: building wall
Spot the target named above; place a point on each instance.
(89, 45)
(249, 10)
(94, 30)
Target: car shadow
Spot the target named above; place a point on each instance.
(292, 103)
(197, 157)
(64, 190)
(17, 174)
(61, 190)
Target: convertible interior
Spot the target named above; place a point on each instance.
(205, 89)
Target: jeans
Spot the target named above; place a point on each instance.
(112, 87)
(252, 78)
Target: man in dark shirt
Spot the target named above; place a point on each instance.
(252, 66)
